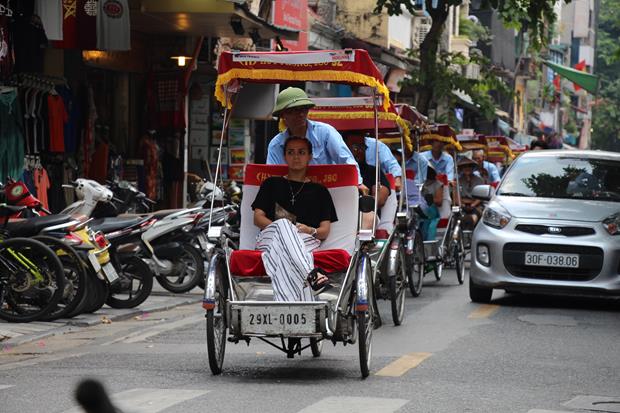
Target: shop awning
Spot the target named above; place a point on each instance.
(586, 80)
(211, 18)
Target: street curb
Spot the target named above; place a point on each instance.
(73, 325)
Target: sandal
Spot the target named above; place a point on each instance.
(313, 280)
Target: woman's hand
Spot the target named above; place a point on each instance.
(305, 229)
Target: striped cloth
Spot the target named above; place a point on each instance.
(287, 257)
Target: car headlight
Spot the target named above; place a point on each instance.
(496, 217)
(612, 224)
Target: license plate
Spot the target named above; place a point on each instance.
(551, 259)
(94, 262)
(278, 320)
(110, 272)
(202, 240)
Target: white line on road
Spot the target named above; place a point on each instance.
(155, 330)
(355, 405)
(548, 411)
(149, 400)
(34, 361)
(5, 386)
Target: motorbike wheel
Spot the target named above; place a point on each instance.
(75, 278)
(22, 298)
(397, 287)
(99, 294)
(415, 271)
(188, 271)
(135, 284)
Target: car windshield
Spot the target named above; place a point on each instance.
(563, 177)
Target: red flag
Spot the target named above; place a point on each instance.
(556, 83)
(581, 66)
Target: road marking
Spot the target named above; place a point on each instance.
(484, 311)
(548, 411)
(149, 400)
(609, 404)
(35, 361)
(138, 336)
(5, 386)
(401, 366)
(355, 405)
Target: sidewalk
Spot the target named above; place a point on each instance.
(14, 334)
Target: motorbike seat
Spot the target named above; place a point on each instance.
(107, 225)
(164, 213)
(33, 226)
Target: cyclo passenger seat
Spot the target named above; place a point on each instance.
(334, 253)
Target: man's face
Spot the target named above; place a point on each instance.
(437, 147)
(478, 157)
(357, 146)
(295, 117)
(467, 170)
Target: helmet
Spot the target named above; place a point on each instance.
(292, 97)
(208, 190)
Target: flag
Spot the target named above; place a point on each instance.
(556, 83)
(581, 66)
(585, 80)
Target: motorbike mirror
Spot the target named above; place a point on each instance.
(367, 203)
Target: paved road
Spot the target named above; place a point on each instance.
(520, 354)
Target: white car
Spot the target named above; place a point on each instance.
(552, 226)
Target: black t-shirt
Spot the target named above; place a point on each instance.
(313, 203)
(368, 176)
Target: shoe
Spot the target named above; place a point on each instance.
(313, 277)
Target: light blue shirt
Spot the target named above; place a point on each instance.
(328, 147)
(389, 164)
(443, 165)
(492, 170)
(415, 167)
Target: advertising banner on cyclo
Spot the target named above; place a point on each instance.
(292, 14)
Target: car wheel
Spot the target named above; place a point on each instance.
(479, 294)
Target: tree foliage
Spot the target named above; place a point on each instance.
(606, 118)
(535, 16)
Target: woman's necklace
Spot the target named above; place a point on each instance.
(294, 194)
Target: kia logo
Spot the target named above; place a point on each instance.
(554, 230)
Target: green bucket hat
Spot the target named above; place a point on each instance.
(291, 97)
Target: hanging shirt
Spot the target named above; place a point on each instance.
(6, 52)
(86, 24)
(328, 147)
(51, 14)
(11, 140)
(443, 165)
(389, 164)
(57, 116)
(42, 184)
(113, 28)
(29, 43)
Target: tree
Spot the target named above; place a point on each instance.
(606, 116)
(531, 15)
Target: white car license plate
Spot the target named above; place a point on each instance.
(94, 262)
(278, 320)
(551, 259)
(110, 272)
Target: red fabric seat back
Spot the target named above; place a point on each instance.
(249, 263)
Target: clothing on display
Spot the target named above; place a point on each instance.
(42, 184)
(51, 14)
(57, 116)
(87, 23)
(113, 28)
(29, 42)
(11, 138)
(69, 26)
(6, 48)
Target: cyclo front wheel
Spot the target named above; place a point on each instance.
(458, 252)
(415, 271)
(365, 320)
(32, 280)
(216, 323)
(397, 287)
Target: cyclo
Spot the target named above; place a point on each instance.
(447, 249)
(238, 297)
(395, 263)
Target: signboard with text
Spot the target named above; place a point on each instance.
(292, 14)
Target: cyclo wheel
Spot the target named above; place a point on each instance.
(396, 285)
(438, 270)
(216, 323)
(415, 272)
(365, 322)
(31, 280)
(458, 252)
(125, 294)
(75, 277)
(189, 273)
(316, 346)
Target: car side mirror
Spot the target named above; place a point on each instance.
(367, 203)
(482, 192)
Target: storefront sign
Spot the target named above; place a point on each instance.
(292, 14)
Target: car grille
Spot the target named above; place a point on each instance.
(566, 231)
(590, 262)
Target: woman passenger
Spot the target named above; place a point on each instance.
(294, 216)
